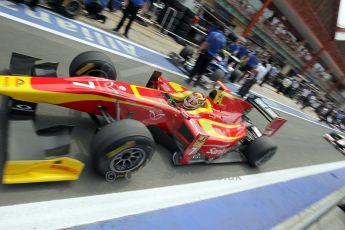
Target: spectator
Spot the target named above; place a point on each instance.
(304, 95)
(132, 8)
(208, 50)
(275, 21)
(294, 88)
(271, 75)
(286, 83)
(262, 70)
(265, 75)
(311, 99)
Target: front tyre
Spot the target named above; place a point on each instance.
(93, 63)
(122, 147)
(260, 151)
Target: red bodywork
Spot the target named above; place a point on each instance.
(212, 130)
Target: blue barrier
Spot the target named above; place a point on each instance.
(260, 208)
(54, 23)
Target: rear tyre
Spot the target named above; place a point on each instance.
(235, 75)
(260, 151)
(69, 8)
(187, 52)
(93, 63)
(122, 147)
(217, 75)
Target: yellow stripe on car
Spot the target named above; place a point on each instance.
(207, 126)
(207, 108)
(138, 95)
(85, 68)
(20, 88)
(176, 86)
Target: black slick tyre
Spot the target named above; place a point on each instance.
(70, 8)
(187, 52)
(217, 75)
(93, 63)
(259, 151)
(122, 147)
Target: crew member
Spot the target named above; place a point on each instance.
(132, 8)
(208, 50)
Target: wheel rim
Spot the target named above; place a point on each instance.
(128, 160)
(102, 72)
(265, 157)
(73, 7)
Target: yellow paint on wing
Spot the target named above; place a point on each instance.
(207, 125)
(32, 171)
(20, 88)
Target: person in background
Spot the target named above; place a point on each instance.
(131, 10)
(198, 16)
(234, 47)
(242, 52)
(251, 63)
(294, 88)
(214, 42)
(304, 95)
(285, 85)
(94, 8)
(272, 73)
(251, 78)
(311, 99)
(262, 70)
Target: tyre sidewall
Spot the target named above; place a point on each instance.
(102, 161)
(258, 149)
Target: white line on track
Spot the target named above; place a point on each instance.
(66, 213)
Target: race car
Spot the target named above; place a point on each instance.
(337, 140)
(217, 131)
(218, 69)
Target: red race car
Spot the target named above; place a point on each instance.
(337, 140)
(210, 129)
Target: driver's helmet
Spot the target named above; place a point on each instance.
(194, 101)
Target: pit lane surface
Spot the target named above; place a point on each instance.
(300, 142)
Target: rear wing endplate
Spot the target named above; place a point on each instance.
(21, 64)
(276, 122)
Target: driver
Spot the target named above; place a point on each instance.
(194, 101)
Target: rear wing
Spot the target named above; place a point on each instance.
(21, 64)
(275, 121)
